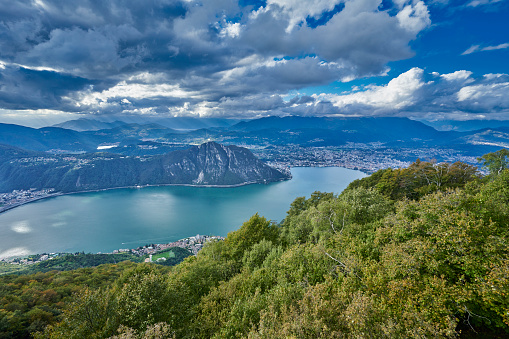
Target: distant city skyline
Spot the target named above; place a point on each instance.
(426, 60)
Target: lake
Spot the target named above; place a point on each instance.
(127, 218)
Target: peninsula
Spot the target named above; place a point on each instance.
(209, 164)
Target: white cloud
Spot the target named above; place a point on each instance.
(476, 3)
(453, 95)
(399, 93)
(493, 48)
(232, 30)
(458, 76)
(472, 49)
(485, 96)
(477, 48)
(299, 10)
(414, 17)
(134, 91)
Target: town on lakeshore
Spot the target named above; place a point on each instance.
(20, 197)
(366, 157)
(192, 244)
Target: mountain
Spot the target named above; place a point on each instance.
(314, 131)
(498, 137)
(467, 125)
(189, 123)
(269, 131)
(84, 124)
(215, 164)
(179, 123)
(61, 140)
(47, 138)
(130, 131)
(402, 127)
(207, 164)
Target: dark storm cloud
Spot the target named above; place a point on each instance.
(22, 88)
(218, 57)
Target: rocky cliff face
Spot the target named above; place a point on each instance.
(215, 164)
(207, 164)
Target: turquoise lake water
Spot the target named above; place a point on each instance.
(127, 218)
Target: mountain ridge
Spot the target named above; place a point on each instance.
(209, 164)
(276, 131)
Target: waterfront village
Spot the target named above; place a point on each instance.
(20, 197)
(358, 156)
(193, 244)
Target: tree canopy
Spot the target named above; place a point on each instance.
(407, 253)
(496, 162)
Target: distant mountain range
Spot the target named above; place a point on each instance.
(178, 123)
(312, 131)
(123, 138)
(467, 125)
(207, 164)
(130, 154)
(83, 124)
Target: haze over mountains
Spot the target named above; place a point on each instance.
(84, 135)
(467, 125)
(181, 123)
(152, 153)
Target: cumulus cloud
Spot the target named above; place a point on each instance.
(399, 93)
(414, 17)
(299, 10)
(419, 94)
(169, 56)
(223, 58)
(414, 93)
(458, 76)
(484, 97)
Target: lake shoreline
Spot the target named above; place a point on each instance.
(54, 195)
(114, 218)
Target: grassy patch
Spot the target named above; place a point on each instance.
(7, 268)
(166, 254)
(173, 256)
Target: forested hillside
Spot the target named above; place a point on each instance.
(411, 253)
(207, 164)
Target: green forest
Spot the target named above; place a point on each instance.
(417, 252)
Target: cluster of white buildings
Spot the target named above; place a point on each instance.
(17, 197)
(193, 244)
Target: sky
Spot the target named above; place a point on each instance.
(427, 60)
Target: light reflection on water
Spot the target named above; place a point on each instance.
(108, 220)
(21, 226)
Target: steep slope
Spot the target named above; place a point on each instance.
(212, 163)
(207, 164)
(47, 138)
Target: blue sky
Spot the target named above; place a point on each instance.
(430, 60)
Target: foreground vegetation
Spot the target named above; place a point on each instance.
(72, 261)
(408, 253)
